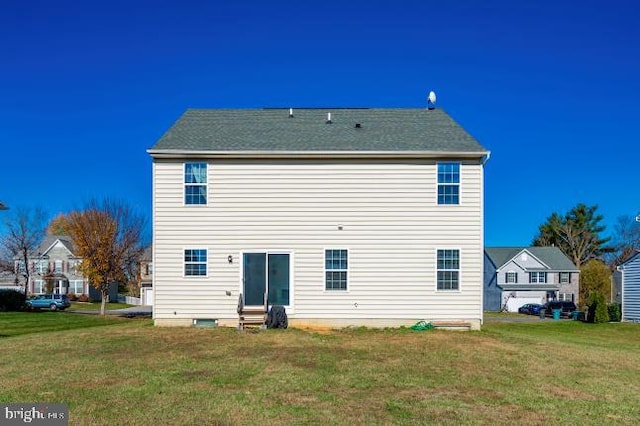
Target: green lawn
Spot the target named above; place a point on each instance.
(127, 372)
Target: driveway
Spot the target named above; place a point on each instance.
(523, 318)
(134, 311)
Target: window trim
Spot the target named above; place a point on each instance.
(184, 263)
(538, 274)
(75, 282)
(567, 274)
(325, 270)
(513, 274)
(186, 184)
(459, 270)
(448, 184)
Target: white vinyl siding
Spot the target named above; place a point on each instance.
(376, 208)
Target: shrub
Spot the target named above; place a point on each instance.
(83, 298)
(615, 312)
(598, 312)
(72, 297)
(11, 300)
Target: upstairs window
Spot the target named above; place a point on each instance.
(564, 277)
(537, 277)
(58, 266)
(448, 270)
(448, 183)
(195, 183)
(336, 265)
(511, 278)
(195, 262)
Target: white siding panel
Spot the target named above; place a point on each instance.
(391, 223)
(631, 291)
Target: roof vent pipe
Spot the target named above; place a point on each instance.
(358, 126)
(431, 100)
(328, 118)
(290, 112)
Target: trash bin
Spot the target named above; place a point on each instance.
(556, 313)
(575, 315)
(543, 312)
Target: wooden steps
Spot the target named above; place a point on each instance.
(452, 325)
(251, 316)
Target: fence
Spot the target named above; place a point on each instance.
(129, 300)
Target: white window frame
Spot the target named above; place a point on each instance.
(458, 270)
(325, 270)
(537, 280)
(73, 285)
(191, 184)
(509, 274)
(565, 297)
(38, 286)
(448, 184)
(184, 263)
(57, 263)
(567, 275)
(290, 308)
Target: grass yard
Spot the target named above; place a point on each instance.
(127, 372)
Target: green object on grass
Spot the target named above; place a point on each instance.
(421, 326)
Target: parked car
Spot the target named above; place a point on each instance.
(566, 307)
(530, 308)
(49, 301)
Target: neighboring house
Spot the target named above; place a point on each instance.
(631, 288)
(146, 277)
(54, 257)
(363, 217)
(514, 276)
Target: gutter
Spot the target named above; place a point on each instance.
(180, 154)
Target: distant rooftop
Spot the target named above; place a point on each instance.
(317, 130)
(553, 257)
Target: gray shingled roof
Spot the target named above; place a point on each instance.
(49, 240)
(382, 130)
(551, 256)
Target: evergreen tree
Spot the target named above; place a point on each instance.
(577, 234)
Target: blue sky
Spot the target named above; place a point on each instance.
(552, 88)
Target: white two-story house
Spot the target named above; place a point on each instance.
(369, 217)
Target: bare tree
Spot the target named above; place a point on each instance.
(24, 231)
(626, 240)
(108, 237)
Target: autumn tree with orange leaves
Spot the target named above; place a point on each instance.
(108, 237)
